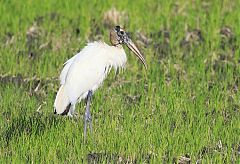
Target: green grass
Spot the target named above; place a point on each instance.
(186, 104)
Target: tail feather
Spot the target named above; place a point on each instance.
(62, 103)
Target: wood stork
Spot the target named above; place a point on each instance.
(85, 72)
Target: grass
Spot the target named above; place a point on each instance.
(185, 105)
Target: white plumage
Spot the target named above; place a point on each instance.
(86, 71)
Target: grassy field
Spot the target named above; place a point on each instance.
(184, 108)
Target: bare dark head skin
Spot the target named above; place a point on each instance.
(118, 37)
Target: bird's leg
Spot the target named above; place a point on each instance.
(72, 112)
(72, 109)
(88, 117)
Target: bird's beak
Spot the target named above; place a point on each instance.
(135, 50)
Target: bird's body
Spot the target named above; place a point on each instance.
(86, 71)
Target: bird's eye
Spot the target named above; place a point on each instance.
(117, 28)
(121, 32)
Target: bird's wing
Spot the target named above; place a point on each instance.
(66, 67)
(87, 71)
(78, 57)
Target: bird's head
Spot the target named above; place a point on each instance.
(118, 37)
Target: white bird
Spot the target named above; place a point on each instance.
(85, 72)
